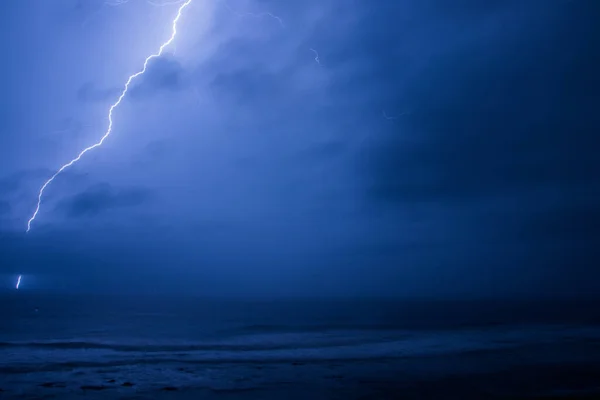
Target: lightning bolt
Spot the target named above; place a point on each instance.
(110, 112)
(393, 118)
(117, 3)
(316, 56)
(389, 118)
(259, 15)
(18, 282)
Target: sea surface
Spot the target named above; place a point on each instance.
(120, 346)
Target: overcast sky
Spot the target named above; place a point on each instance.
(432, 148)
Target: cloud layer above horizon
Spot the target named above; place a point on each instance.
(433, 149)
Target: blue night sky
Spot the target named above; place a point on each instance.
(437, 147)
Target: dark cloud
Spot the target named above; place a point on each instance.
(103, 197)
(498, 119)
(163, 74)
(573, 222)
(485, 180)
(22, 180)
(88, 93)
(9, 184)
(322, 151)
(25, 179)
(154, 153)
(500, 151)
(243, 86)
(4, 208)
(68, 126)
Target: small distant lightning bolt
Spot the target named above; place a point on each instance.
(316, 56)
(18, 282)
(260, 15)
(117, 3)
(164, 3)
(388, 117)
(393, 118)
(110, 112)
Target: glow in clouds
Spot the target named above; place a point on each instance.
(110, 112)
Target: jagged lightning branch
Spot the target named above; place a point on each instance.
(317, 59)
(18, 282)
(117, 3)
(389, 118)
(110, 112)
(393, 118)
(260, 15)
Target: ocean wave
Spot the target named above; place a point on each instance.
(23, 356)
(257, 342)
(302, 340)
(75, 345)
(329, 327)
(427, 347)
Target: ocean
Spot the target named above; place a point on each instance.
(69, 346)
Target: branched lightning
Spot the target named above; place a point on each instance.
(110, 112)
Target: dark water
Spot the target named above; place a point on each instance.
(87, 335)
(129, 323)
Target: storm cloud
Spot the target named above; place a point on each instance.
(436, 148)
(102, 198)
